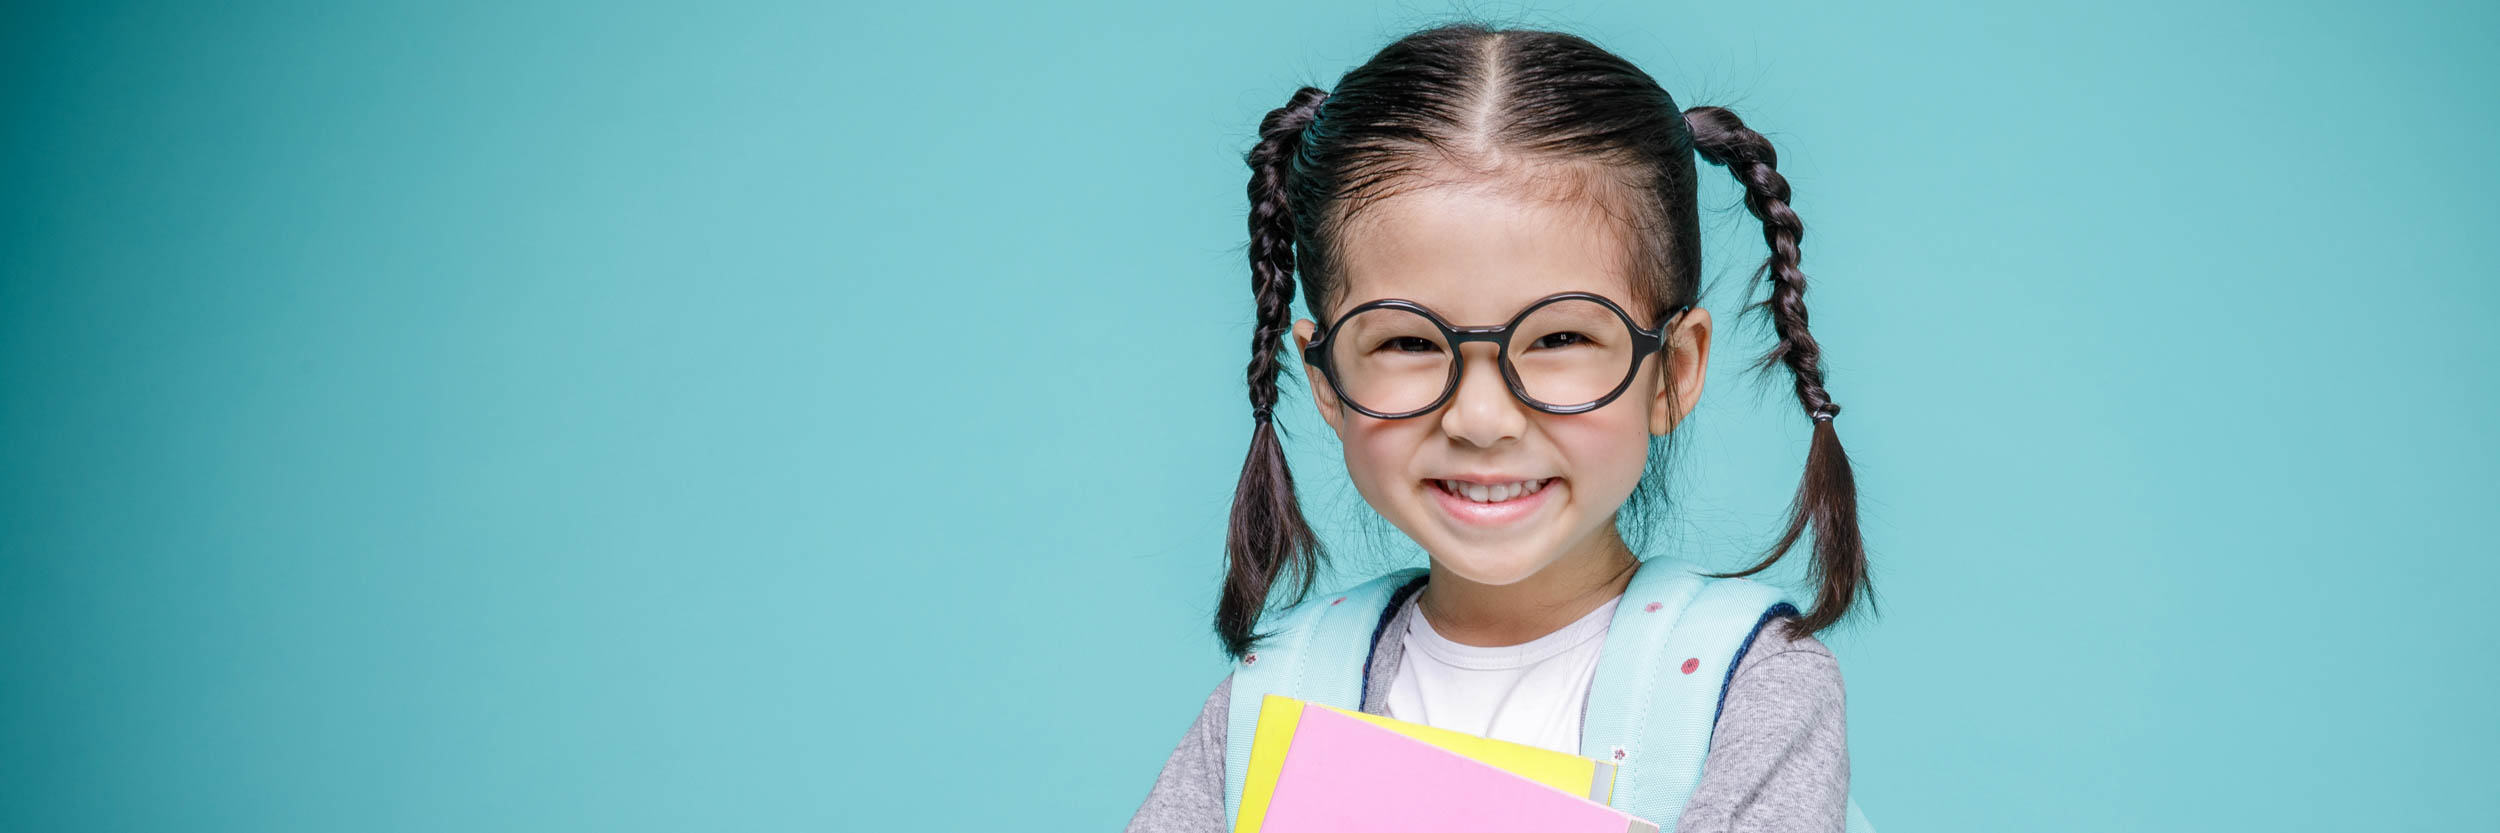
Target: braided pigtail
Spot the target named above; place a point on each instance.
(1268, 538)
(1827, 495)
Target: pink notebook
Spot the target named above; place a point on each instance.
(1343, 775)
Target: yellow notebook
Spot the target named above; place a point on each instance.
(1278, 716)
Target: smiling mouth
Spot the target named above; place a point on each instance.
(1492, 492)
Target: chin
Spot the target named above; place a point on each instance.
(1494, 572)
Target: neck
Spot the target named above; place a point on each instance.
(1471, 613)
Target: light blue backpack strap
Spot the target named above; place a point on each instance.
(1629, 693)
(1660, 679)
(1317, 653)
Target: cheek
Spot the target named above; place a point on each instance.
(1606, 450)
(1379, 452)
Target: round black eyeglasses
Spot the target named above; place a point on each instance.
(1567, 353)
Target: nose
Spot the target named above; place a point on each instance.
(1483, 411)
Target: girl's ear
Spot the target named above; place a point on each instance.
(1322, 396)
(1687, 360)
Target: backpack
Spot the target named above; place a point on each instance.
(1661, 676)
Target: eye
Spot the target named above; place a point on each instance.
(1411, 344)
(1565, 339)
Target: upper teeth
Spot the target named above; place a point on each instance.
(1492, 492)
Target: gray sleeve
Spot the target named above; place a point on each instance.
(1779, 758)
(1189, 796)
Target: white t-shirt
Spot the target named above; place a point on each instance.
(1527, 693)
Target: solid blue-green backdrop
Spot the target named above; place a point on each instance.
(635, 416)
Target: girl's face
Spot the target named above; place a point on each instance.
(1476, 255)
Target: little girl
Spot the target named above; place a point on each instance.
(1497, 241)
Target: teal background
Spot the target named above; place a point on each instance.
(632, 416)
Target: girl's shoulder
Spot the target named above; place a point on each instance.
(1779, 752)
(1785, 680)
(1773, 639)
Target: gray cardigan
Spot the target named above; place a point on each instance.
(1778, 761)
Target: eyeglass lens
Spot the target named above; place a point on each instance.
(1567, 353)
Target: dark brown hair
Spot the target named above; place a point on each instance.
(1486, 101)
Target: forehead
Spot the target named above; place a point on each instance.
(1476, 252)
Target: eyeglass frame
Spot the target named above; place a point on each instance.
(1644, 342)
